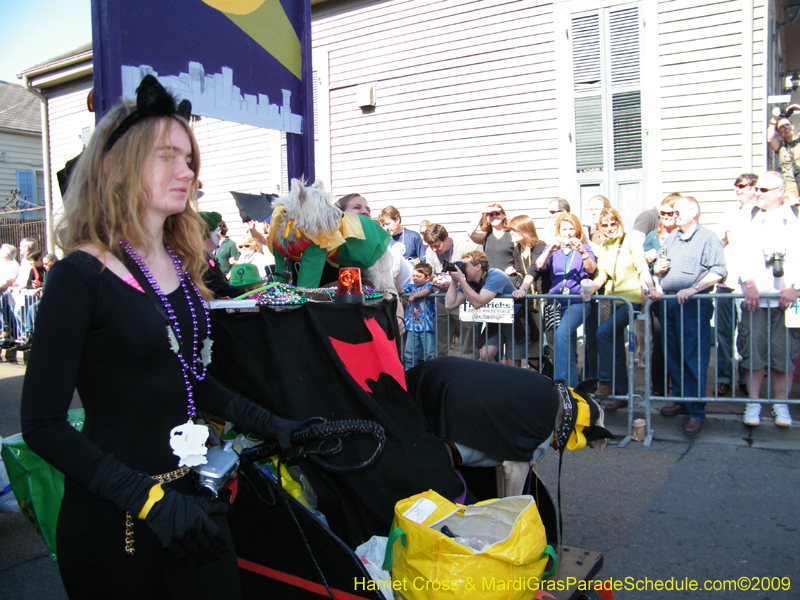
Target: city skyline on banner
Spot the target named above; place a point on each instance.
(215, 95)
(217, 36)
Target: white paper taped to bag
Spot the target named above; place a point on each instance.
(421, 510)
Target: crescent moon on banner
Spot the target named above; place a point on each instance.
(266, 23)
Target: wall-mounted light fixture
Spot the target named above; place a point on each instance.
(366, 95)
(792, 82)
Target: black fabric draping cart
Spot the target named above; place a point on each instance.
(300, 363)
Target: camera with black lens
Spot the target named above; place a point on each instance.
(220, 468)
(775, 260)
(451, 266)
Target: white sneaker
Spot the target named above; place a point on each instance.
(781, 414)
(752, 415)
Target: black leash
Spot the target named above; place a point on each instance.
(319, 438)
(563, 432)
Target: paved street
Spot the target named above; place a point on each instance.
(719, 507)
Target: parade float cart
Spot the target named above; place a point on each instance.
(339, 362)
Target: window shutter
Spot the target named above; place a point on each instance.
(586, 53)
(589, 133)
(587, 79)
(627, 115)
(86, 134)
(315, 99)
(624, 47)
(626, 104)
(284, 166)
(26, 184)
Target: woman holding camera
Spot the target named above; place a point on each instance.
(122, 320)
(569, 259)
(786, 145)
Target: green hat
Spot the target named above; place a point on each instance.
(245, 274)
(212, 221)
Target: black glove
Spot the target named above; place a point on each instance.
(184, 526)
(181, 522)
(259, 420)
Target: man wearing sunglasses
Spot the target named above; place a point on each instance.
(555, 207)
(769, 262)
(727, 313)
(693, 263)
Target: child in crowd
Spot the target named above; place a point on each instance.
(37, 274)
(420, 317)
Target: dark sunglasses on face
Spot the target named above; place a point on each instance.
(244, 245)
(765, 190)
(608, 225)
(492, 215)
(665, 213)
(555, 212)
(741, 186)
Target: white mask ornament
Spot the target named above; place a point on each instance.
(188, 442)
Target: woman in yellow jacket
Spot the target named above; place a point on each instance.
(622, 268)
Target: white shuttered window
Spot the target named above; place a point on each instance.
(606, 77)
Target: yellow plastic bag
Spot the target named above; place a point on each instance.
(427, 555)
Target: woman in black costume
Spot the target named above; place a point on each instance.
(122, 320)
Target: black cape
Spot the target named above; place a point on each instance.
(286, 362)
(505, 412)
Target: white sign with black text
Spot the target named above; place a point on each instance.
(791, 317)
(499, 310)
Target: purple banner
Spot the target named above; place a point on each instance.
(246, 61)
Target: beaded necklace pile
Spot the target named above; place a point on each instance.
(199, 358)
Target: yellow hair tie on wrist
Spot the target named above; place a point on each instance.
(155, 494)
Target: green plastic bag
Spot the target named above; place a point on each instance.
(37, 486)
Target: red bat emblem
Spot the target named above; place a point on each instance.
(368, 360)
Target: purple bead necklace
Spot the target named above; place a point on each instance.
(197, 368)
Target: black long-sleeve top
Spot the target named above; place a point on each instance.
(541, 279)
(96, 333)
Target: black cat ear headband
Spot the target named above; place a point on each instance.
(152, 100)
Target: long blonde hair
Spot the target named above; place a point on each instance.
(107, 195)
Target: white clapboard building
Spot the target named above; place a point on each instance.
(439, 107)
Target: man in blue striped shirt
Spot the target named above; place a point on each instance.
(692, 260)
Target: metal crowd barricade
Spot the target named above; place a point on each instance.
(545, 341)
(653, 313)
(18, 314)
(7, 321)
(678, 395)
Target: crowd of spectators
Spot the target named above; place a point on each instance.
(666, 257)
(21, 285)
